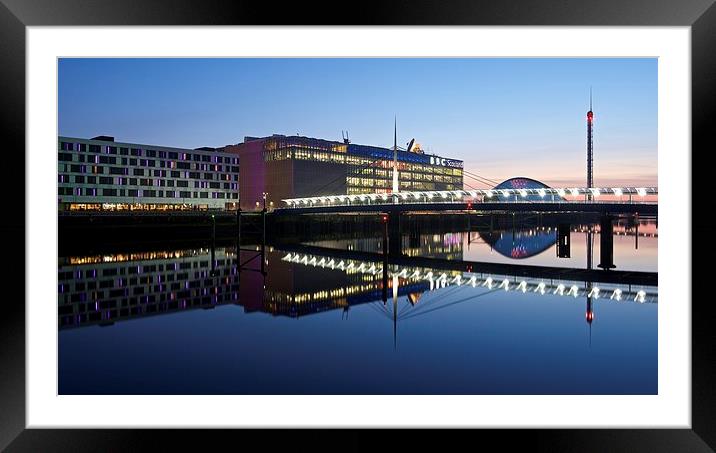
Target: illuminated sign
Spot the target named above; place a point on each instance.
(441, 161)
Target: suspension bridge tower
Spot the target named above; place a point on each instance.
(590, 119)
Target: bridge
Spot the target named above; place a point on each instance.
(482, 200)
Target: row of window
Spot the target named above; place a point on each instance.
(385, 174)
(371, 182)
(100, 170)
(103, 298)
(123, 282)
(66, 157)
(121, 181)
(404, 185)
(138, 152)
(94, 192)
(306, 144)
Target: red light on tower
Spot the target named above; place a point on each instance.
(590, 116)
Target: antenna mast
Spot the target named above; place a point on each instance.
(395, 155)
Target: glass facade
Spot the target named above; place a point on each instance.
(110, 176)
(294, 166)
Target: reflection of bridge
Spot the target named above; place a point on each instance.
(512, 200)
(100, 290)
(508, 282)
(516, 270)
(531, 279)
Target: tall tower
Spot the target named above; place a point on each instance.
(395, 155)
(590, 119)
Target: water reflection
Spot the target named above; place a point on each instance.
(102, 289)
(447, 306)
(520, 244)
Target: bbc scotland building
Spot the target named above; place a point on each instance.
(104, 175)
(284, 167)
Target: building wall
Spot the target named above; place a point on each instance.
(96, 174)
(292, 166)
(252, 174)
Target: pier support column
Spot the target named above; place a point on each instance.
(563, 241)
(213, 246)
(606, 242)
(394, 239)
(385, 262)
(238, 225)
(414, 236)
(263, 240)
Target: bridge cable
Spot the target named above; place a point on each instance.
(489, 185)
(432, 300)
(383, 312)
(481, 178)
(487, 182)
(452, 303)
(476, 176)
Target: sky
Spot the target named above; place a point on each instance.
(504, 117)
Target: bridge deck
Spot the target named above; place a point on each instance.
(513, 206)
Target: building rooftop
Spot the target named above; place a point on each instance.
(352, 147)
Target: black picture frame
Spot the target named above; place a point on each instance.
(16, 15)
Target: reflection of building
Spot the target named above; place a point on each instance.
(105, 289)
(103, 174)
(294, 166)
(297, 290)
(445, 245)
(524, 183)
(520, 243)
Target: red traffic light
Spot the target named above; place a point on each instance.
(384, 218)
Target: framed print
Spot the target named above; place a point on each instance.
(478, 248)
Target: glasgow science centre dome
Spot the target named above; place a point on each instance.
(524, 243)
(525, 183)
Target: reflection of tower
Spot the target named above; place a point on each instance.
(590, 312)
(590, 118)
(590, 245)
(395, 311)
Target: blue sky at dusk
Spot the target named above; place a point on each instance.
(503, 117)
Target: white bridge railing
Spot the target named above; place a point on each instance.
(477, 195)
